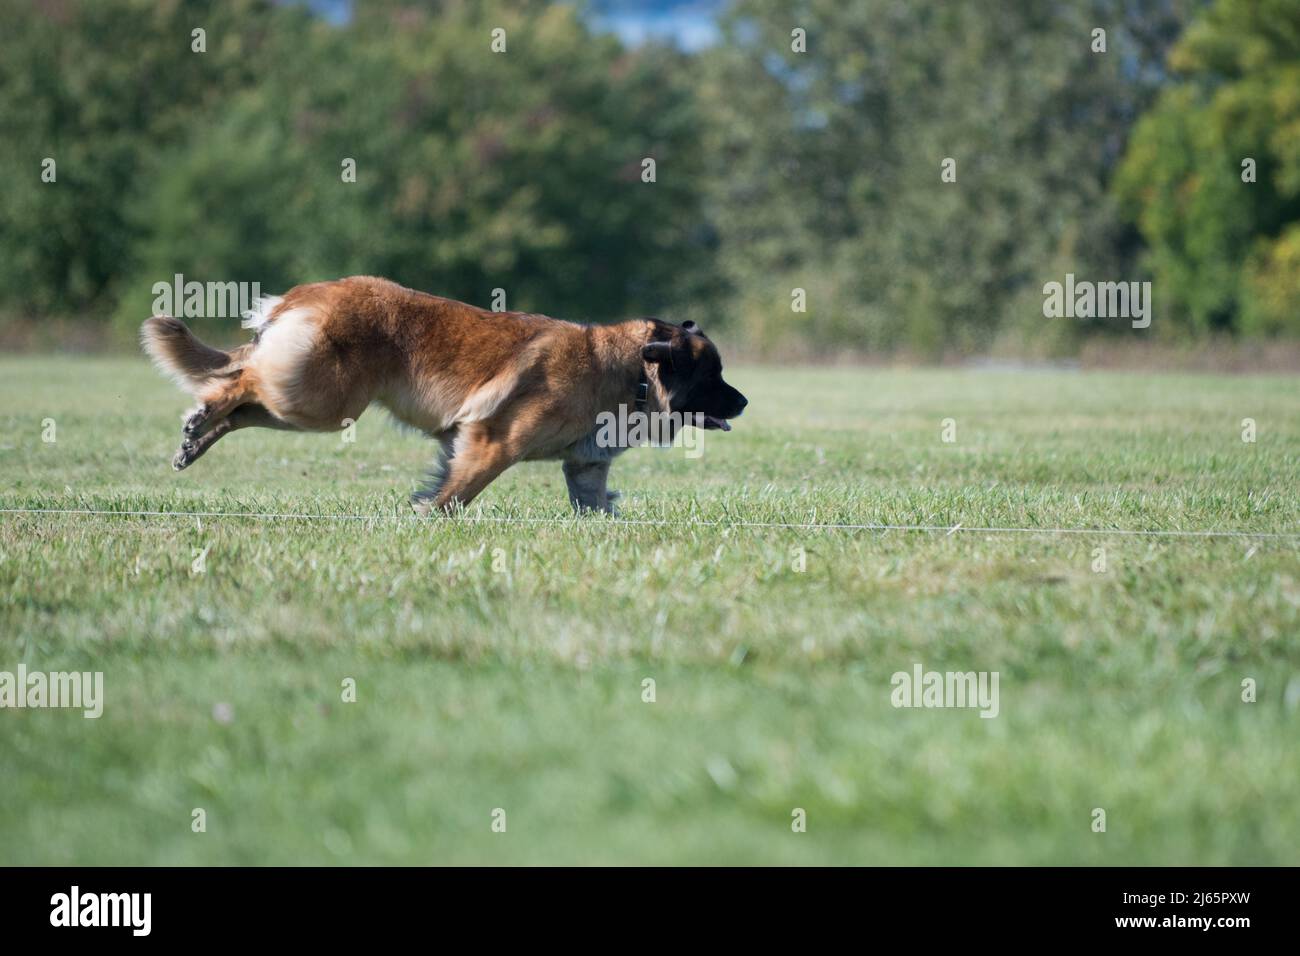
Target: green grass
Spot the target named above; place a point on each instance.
(512, 678)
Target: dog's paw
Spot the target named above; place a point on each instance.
(194, 422)
(184, 456)
(596, 506)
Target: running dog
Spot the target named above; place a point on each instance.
(493, 388)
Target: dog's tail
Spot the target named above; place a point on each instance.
(179, 355)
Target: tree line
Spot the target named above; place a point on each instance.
(831, 175)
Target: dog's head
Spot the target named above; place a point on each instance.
(689, 370)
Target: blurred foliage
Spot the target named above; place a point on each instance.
(1224, 250)
(474, 170)
(830, 162)
(102, 88)
(776, 169)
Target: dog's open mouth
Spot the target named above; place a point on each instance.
(720, 423)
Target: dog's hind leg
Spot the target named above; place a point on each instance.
(226, 389)
(221, 397)
(244, 416)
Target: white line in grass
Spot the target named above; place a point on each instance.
(645, 522)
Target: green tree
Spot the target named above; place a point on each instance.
(475, 170)
(1224, 251)
(827, 162)
(102, 87)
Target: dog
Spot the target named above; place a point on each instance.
(494, 388)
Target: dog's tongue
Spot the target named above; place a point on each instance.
(718, 423)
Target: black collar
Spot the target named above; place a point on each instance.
(642, 391)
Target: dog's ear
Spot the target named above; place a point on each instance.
(657, 352)
(689, 326)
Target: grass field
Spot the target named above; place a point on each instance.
(499, 662)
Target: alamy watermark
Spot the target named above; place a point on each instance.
(38, 689)
(1098, 300)
(631, 429)
(130, 910)
(943, 689)
(204, 300)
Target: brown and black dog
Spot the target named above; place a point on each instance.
(494, 388)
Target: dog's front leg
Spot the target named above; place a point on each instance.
(586, 480)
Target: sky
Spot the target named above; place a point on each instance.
(688, 23)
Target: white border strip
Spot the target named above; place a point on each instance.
(643, 522)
